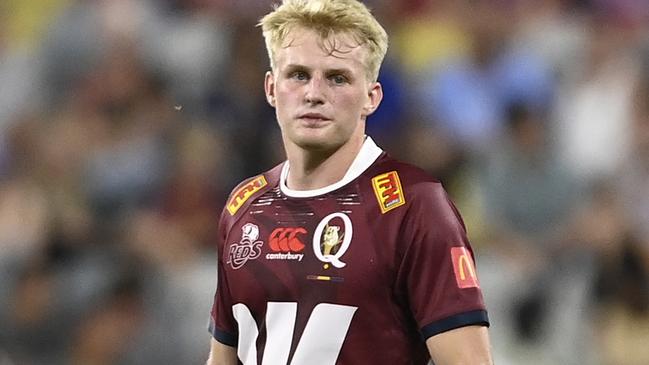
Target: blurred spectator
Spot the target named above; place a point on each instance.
(634, 172)
(432, 36)
(594, 110)
(529, 193)
(19, 67)
(188, 42)
(107, 331)
(622, 294)
(621, 284)
(617, 291)
(528, 201)
(555, 30)
(127, 168)
(469, 96)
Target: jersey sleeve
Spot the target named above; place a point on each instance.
(222, 324)
(437, 270)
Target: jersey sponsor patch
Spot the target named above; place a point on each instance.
(285, 244)
(387, 188)
(245, 192)
(464, 268)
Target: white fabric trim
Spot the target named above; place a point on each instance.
(366, 156)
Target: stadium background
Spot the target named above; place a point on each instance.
(124, 124)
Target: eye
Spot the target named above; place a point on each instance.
(338, 79)
(300, 76)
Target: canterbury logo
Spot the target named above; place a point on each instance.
(286, 240)
(387, 188)
(464, 268)
(245, 192)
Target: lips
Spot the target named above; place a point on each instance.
(313, 120)
(315, 117)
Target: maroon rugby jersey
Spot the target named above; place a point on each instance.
(360, 272)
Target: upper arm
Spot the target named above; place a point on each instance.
(222, 324)
(221, 354)
(461, 346)
(437, 271)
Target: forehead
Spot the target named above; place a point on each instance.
(307, 48)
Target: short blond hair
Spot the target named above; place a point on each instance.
(327, 18)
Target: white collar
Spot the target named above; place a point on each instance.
(364, 159)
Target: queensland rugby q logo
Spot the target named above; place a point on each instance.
(249, 248)
(331, 239)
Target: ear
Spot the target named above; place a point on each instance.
(269, 88)
(374, 97)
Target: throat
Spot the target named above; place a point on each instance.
(314, 174)
(316, 170)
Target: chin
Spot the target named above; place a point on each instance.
(317, 143)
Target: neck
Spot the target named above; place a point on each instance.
(311, 170)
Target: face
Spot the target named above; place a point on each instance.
(321, 98)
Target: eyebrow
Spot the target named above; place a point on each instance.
(298, 67)
(342, 71)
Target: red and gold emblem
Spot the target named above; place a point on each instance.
(245, 192)
(387, 188)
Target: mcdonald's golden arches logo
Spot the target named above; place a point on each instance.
(464, 268)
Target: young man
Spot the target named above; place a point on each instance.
(340, 255)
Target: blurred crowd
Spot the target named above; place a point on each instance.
(124, 124)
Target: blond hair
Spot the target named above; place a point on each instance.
(327, 18)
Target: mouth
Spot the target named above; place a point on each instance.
(313, 119)
(313, 116)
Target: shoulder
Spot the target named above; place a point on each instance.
(410, 175)
(397, 183)
(250, 188)
(412, 181)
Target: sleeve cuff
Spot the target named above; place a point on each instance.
(221, 336)
(473, 318)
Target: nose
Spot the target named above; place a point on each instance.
(314, 92)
